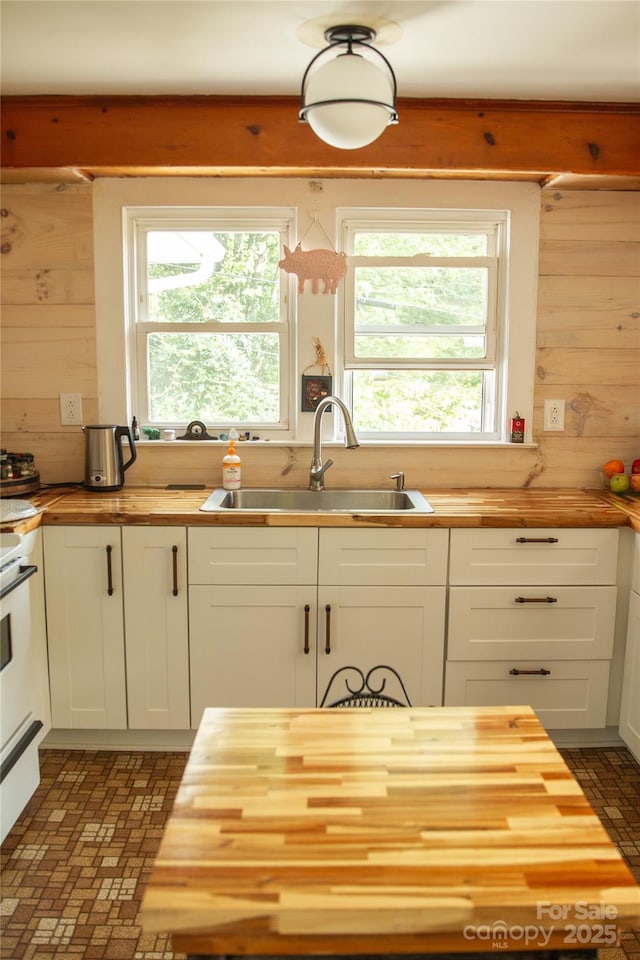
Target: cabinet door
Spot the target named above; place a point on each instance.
(533, 556)
(156, 629)
(399, 626)
(85, 631)
(385, 557)
(251, 647)
(491, 623)
(630, 707)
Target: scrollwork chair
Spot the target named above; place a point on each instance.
(366, 690)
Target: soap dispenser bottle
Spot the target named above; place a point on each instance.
(231, 465)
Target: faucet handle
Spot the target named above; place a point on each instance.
(399, 479)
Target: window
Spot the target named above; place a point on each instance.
(424, 324)
(210, 323)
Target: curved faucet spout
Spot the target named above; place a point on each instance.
(318, 469)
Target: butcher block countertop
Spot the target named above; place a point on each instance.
(486, 507)
(422, 830)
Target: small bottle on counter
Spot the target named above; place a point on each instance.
(231, 465)
(135, 429)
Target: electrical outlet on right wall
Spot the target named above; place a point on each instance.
(554, 415)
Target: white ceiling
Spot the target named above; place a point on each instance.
(516, 49)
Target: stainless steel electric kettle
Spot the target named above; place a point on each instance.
(104, 465)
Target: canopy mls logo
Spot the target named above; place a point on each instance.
(579, 923)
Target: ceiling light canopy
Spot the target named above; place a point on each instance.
(350, 98)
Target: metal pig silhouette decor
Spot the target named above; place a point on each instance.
(315, 265)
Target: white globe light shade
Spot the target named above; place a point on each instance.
(349, 124)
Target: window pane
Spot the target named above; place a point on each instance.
(436, 401)
(194, 276)
(219, 378)
(409, 244)
(418, 347)
(435, 297)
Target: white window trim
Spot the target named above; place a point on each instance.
(316, 315)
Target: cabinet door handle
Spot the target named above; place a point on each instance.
(307, 608)
(109, 572)
(537, 540)
(536, 599)
(537, 673)
(327, 640)
(174, 551)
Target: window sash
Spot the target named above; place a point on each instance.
(143, 332)
(488, 415)
(489, 331)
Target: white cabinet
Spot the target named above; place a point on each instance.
(531, 620)
(110, 602)
(274, 613)
(381, 600)
(156, 634)
(252, 617)
(85, 626)
(630, 705)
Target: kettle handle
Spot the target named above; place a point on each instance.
(126, 432)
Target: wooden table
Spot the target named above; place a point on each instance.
(421, 830)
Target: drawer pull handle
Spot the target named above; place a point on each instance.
(306, 627)
(531, 673)
(536, 540)
(536, 599)
(174, 551)
(327, 642)
(109, 572)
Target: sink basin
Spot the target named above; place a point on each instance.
(322, 501)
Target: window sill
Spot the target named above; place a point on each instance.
(368, 444)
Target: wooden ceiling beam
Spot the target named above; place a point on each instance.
(260, 134)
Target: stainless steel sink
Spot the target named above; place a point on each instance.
(317, 501)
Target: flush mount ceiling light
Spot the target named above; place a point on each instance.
(349, 99)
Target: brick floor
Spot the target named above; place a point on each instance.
(76, 863)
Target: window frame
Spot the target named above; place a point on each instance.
(305, 201)
(139, 223)
(492, 223)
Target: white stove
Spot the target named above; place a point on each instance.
(20, 724)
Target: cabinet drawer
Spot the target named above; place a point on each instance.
(239, 555)
(383, 557)
(533, 556)
(572, 696)
(503, 623)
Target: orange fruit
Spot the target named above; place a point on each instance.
(613, 466)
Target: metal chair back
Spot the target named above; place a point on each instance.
(366, 690)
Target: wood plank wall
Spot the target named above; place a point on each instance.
(588, 353)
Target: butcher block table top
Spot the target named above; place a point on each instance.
(482, 507)
(416, 830)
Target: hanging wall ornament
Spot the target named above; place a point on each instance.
(316, 387)
(315, 265)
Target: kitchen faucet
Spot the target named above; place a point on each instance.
(318, 469)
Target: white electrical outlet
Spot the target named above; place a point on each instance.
(70, 409)
(554, 415)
